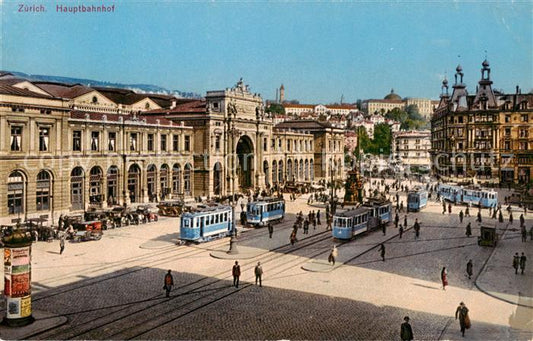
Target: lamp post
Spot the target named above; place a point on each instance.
(233, 132)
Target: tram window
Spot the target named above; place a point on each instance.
(216, 218)
(226, 216)
(186, 223)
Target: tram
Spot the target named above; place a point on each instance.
(380, 213)
(205, 223)
(417, 200)
(460, 195)
(264, 211)
(348, 224)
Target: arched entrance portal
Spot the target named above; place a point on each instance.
(245, 168)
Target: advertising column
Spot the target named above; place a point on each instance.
(17, 279)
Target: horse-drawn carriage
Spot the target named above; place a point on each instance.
(87, 230)
(171, 208)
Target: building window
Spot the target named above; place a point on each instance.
(187, 143)
(217, 143)
(524, 132)
(279, 144)
(175, 143)
(460, 119)
(507, 145)
(95, 140)
(507, 131)
(16, 139)
(164, 142)
(44, 137)
(507, 118)
(524, 118)
(150, 141)
(288, 145)
(112, 141)
(133, 141)
(15, 192)
(522, 145)
(273, 144)
(265, 144)
(43, 191)
(76, 140)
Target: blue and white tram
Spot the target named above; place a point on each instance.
(347, 225)
(380, 213)
(478, 197)
(264, 211)
(417, 200)
(206, 223)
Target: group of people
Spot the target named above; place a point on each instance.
(461, 313)
(519, 262)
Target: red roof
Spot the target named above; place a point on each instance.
(191, 106)
(97, 116)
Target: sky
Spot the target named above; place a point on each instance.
(320, 51)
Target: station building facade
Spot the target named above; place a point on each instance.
(65, 148)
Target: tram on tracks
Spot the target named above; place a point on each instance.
(371, 215)
(472, 196)
(264, 211)
(417, 200)
(204, 223)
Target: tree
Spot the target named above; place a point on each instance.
(275, 108)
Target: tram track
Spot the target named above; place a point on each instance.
(153, 260)
(154, 302)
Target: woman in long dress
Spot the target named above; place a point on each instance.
(444, 278)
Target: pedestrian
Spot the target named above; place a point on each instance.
(258, 274)
(461, 216)
(478, 217)
(318, 218)
(443, 207)
(500, 217)
(523, 259)
(401, 206)
(416, 227)
(169, 282)
(511, 218)
(401, 231)
(405, 220)
(382, 251)
(464, 320)
(396, 220)
(406, 332)
(444, 278)
(61, 245)
(516, 262)
(467, 211)
(523, 231)
(469, 269)
(236, 272)
(306, 226)
(293, 237)
(468, 230)
(384, 228)
(522, 220)
(333, 255)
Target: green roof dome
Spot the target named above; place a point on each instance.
(392, 95)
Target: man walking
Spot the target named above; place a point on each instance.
(478, 217)
(61, 244)
(406, 332)
(523, 231)
(464, 320)
(511, 218)
(416, 227)
(467, 211)
(516, 262)
(405, 221)
(382, 251)
(236, 272)
(449, 208)
(270, 230)
(169, 282)
(401, 231)
(523, 259)
(469, 269)
(396, 220)
(333, 255)
(384, 228)
(258, 273)
(461, 216)
(468, 230)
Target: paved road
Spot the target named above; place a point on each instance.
(113, 288)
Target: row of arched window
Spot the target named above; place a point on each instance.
(302, 170)
(175, 181)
